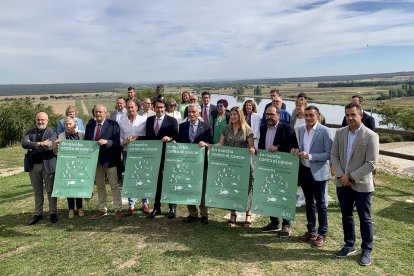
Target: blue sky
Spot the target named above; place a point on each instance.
(168, 40)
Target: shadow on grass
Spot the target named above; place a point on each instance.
(400, 211)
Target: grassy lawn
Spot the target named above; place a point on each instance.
(137, 245)
(11, 157)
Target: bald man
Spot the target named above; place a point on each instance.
(40, 163)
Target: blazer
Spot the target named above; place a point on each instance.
(285, 138)
(169, 127)
(367, 120)
(29, 142)
(363, 159)
(110, 131)
(203, 133)
(113, 114)
(320, 150)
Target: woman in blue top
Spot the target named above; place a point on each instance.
(70, 112)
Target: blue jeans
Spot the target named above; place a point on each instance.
(348, 198)
(131, 201)
(314, 191)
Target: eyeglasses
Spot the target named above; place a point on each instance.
(271, 114)
(173, 105)
(220, 105)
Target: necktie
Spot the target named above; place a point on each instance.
(157, 126)
(98, 131)
(205, 115)
(192, 134)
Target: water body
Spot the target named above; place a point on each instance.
(334, 114)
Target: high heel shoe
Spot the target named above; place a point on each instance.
(232, 221)
(248, 221)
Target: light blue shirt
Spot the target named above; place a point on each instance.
(351, 139)
(190, 129)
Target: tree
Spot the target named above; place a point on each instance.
(257, 90)
(239, 90)
(18, 116)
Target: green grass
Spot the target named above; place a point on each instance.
(11, 157)
(137, 245)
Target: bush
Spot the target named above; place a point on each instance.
(19, 116)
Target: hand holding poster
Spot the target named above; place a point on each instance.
(141, 169)
(228, 178)
(75, 169)
(275, 184)
(183, 174)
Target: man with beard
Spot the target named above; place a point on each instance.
(40, 162)
(277, 136)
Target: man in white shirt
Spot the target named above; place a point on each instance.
(132, 127)
(146, 110)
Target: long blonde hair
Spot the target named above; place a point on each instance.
(243, 124)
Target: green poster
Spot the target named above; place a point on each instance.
(75, 169)
(275, 184)
(228, 178)
(141, 169)
(182, 181)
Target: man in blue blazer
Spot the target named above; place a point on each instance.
(315, 143)
(277, 136)
(197, 132)
(40, 162)
(106, 133)
(165, 128)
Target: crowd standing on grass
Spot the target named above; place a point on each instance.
(352, 154)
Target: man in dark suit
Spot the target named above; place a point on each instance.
(193, 100)
(106, 133)
(367, 120)
(207, 109)
(40, 162)
(197, 132)
(276, 136)
(164, 128)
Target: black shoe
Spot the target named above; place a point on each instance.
(190, 219)
(365, 258)
(270, 228)
(204, 220)
(154, 213)
(171, 214)
(53, 218)
(35, 219)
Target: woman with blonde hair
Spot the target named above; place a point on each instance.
(238, 134)
(71, 133)
(71, 112)
(252, 119)
(185, 101)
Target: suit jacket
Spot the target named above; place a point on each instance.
(203, 133)
(112, 116)
(320, 150)
(367, 120)
(363, 159)
(285, 138)
(109, 131)
(29, 142)
(211, 109)
(169, 127)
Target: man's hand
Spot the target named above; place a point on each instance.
(273, 148)
(102, 142)
(344, 180)
(166, 139)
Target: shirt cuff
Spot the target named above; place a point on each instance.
(310, 157)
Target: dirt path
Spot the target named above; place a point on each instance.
(84, 108)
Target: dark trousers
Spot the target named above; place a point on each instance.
(314, 191)
(120, 164)
(275, 221)
(348, 198)
(157, 200)
(72, 201)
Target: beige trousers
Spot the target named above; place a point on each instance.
(113, 183)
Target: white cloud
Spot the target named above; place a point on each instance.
(88, 41)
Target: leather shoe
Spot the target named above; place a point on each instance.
(171, 214)
(204, 220)
(53, 218)
(35, 219)
(190, 219)
(130, 211)
(154, 213)
(145, 209)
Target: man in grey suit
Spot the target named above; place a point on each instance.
(40, 162)
(120, 110)
(354, 155)
(315, 143)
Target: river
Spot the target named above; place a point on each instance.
(334, 114)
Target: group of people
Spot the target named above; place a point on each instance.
(353, 154)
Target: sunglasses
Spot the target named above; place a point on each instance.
(220, 105)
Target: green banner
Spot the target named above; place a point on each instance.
(182, 181)
(141, 169)
(275, 184)
(75, 169)
(228, 178)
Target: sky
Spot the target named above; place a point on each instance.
(48, 41)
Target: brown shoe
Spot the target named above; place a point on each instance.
(145, 209)
(81, 213)
(71, 213)
(308, 237)
(319, 242)
(118, 215)
(98, 215)
(130, 211)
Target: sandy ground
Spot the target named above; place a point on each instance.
(60, 105)
(84, 108)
